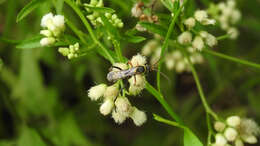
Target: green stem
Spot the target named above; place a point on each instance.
(210, 131)
(163, 120)
(200, 90)
(162, 101)
(88, 27)
(234, 59)
(223, 37)
(165, 43)
(118, 50)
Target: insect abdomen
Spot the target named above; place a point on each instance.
(114, 76)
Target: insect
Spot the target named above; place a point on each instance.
(114, 76)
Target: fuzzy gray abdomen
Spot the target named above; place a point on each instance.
(117, 75)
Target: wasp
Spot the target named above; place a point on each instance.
(114, 76)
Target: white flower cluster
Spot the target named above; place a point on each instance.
(228, 15)
(71, 52)
(117, 105)
(236, 131)
(95, 17)
(174, 60)
(53, 26)
(114, 102)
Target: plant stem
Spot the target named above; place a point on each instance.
(88, 27)
(163, 120)
(209, 129)
(200, 90)
(234, 59)
(165, 43)
(118, 50)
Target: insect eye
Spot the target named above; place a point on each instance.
(140, 69)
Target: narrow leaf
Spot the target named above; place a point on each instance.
(168, 4)
(134, 39)
(190, 139)
(99, 9)
(30, 43)
(28, 9)
(155, 28)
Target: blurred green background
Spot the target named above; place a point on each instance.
(43, 96)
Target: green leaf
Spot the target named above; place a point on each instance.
(9, 41)
(31, 81)
(30, 137)
(155, 28)
(30, 43)
(133, 39)
(28, 9)
(99, 9)
(190, 139)
(168, 4)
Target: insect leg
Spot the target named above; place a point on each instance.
(130, 63)
(135, 79)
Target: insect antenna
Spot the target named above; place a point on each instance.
(164, 75)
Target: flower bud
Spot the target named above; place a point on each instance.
(123, 106)
(239, 142)
(46, 33)
(120, 25)
(190, 22)
(59, 21)
(200, 15)
(198, 43)
(111, 92)
(94, 93)
(108, 15)
(185, 38)
(233, 121)
(220, 140)
(106, 107)
(180, 66)
(230, 134)
(249, 139)
(211, 40)
(47, 41)
(64, 51)
(219, 126)
(139, 117)
(118, 118)
(70, 55)
(233, 33)
(46, 19)
(138, 60)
